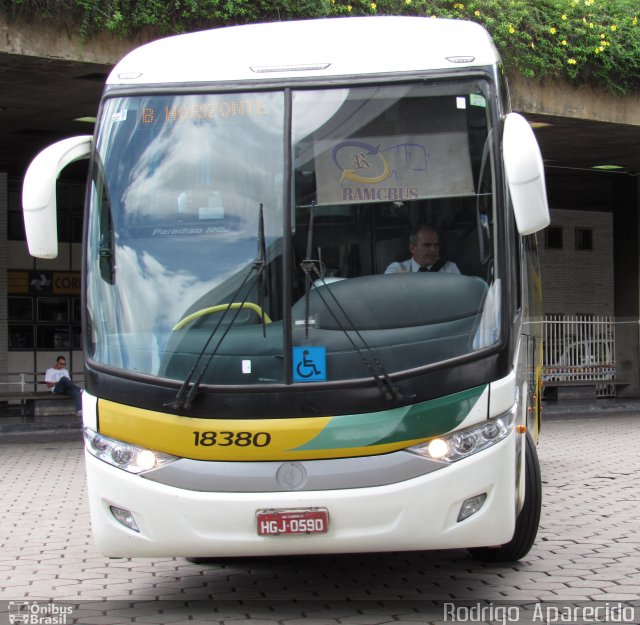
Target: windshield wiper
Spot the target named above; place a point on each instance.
(312, 267)
(308, 265)
(187, 391)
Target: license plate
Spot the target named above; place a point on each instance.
(297, 521)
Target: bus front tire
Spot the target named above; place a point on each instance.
(528, 519)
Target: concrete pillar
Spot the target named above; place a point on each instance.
(626, 271)
(4, 259)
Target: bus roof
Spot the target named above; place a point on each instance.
(322, 48)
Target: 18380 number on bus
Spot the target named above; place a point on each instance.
(227, 439)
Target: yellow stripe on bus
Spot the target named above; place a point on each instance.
(225, 439)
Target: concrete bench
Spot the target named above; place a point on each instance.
(30, 391)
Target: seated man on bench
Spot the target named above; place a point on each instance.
(59, 381)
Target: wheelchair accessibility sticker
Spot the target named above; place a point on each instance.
(309, 364)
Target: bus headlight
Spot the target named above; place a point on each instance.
(125, 456)
(463, 443)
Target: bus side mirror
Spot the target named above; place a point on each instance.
(39, 193)
(525, 175)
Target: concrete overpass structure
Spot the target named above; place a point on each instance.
(50, 79)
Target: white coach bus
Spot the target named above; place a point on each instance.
(256, 384)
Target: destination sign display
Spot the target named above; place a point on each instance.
(203, 111)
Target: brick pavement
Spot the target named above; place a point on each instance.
(588, 548)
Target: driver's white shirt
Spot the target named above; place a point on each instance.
(411, 265)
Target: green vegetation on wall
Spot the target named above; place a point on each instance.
(591, 42)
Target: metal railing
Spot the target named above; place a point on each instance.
(29, 382)
(580, 350)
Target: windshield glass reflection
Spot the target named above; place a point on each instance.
(175, 209)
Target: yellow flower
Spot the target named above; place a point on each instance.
(572, 61)
(553, 31)
(598, 50)
(476, 13)
(564, 17)
(374, 6)
(564, 42)
(511, 29)
(634, 21)
(407, 1)
(349, 7)
(614, 27)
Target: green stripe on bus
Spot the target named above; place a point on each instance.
(419, 421)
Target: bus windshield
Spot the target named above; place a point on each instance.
(228, 228)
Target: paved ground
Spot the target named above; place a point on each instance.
(588, 549)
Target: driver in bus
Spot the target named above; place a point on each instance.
(424, 245)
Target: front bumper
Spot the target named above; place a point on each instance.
(415, 514)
